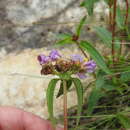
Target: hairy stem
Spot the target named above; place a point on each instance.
(113, 30)
(65, 106)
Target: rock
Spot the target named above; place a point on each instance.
(23, 22)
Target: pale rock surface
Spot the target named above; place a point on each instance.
(29, 23)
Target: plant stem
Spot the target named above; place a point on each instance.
(77, 43)
(113, 29)
(65, 106)
(127, 12)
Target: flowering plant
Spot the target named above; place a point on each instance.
(112, 78)
(55, 64)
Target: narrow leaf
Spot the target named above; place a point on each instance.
(50, 96)
(105, 35)
(103, 83)
(63, 36)
(120, 19)
(93, 99)
(96, 93)
(79, 28)
(89, 5)
(64, 41)
(79, 89)
(95, 55)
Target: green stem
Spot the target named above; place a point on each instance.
(65, 106)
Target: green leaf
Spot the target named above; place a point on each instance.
(89, 5)
(64, 41)
(120, 19)
(68, 84)
(63, 36)
(95, 55)
(105, 35)
(100, 80)
(93, 99)
(50, 96)
(124, 120)
(103, 83)
(79, 28)
(79, 89)
(96, 93)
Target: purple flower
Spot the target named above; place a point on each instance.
(43, 59)
(54, 55)
(90, 66)
(81, 75)
(77, 57)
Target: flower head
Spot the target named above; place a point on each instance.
(43, 59)
(54, 55)
(54, 64)
(90, 66)
(77, 57)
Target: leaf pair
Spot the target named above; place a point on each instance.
(88, 47)
(68, 38)
(50, 96)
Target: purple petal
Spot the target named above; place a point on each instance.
(54, 55)
(81, 75)
(90, 66)
(90, 63)
(90, 70)
(77, 57)
(43, 59)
